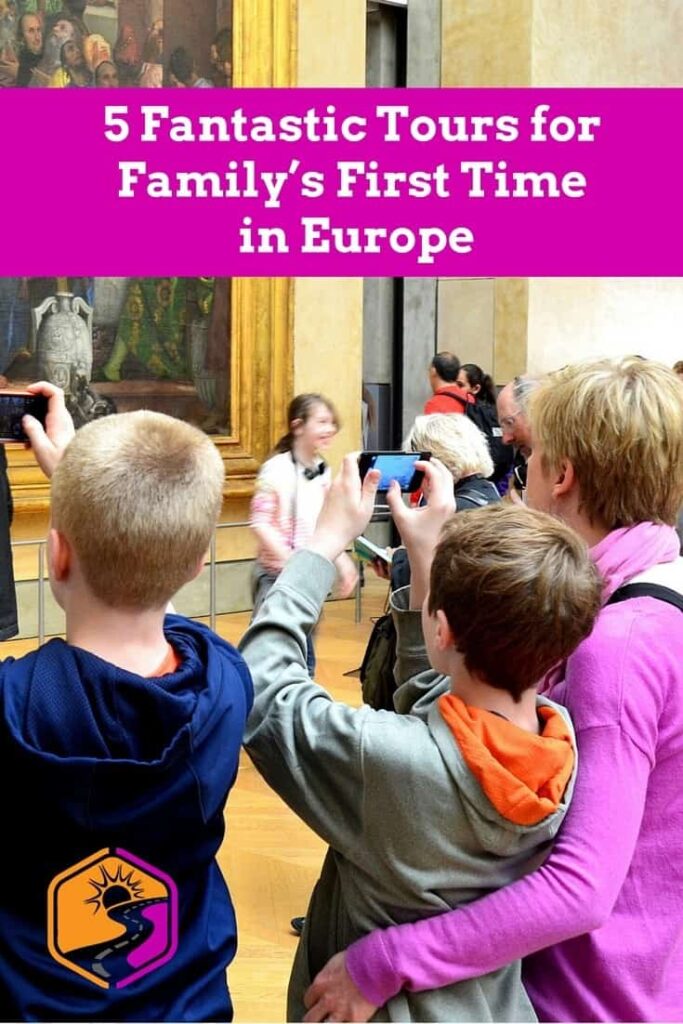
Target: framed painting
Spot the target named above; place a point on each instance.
(111, 43)
(215, 352)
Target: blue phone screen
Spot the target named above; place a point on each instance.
(399, 467)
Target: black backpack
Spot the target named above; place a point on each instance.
(484, 416)
(377, 671)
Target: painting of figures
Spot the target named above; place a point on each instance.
(109, 43)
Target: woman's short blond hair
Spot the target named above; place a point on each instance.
(138, 495)
(454, 440)
(620, 424)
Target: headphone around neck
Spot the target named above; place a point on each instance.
(311, 472)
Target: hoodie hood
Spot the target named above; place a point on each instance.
(523, 775)
(515, 786)
(82, 727)
(105, 760)
(62, 703)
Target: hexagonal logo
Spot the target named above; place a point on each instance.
(112, 918)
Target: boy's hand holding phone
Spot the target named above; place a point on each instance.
(347, 510)
(420, 528)
(395, 466)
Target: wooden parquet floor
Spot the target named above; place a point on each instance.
(271, 859)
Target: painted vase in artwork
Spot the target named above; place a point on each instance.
(205, 380)
(63, 331)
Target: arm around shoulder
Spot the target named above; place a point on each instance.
(572, 893)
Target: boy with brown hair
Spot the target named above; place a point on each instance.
(121, 743)
(463, 792)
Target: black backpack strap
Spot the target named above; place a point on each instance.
(630, 590)
(456, 398)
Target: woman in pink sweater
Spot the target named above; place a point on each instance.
(601, 922)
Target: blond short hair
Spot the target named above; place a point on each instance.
(620, 424)
(519, 591)
(138, 495)
(454, 440)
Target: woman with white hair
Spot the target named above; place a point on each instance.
(461, 446)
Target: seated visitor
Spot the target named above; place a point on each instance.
(425, 810)
(607, 459)
(122, 741)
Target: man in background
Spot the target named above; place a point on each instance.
(512, 406)
(447, 394)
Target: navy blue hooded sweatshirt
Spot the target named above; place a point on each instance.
(112, 906)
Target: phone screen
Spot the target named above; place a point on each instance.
(399, 466)
(13, 407)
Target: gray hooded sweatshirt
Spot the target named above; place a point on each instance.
(410, 829)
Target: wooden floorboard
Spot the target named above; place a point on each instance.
(269, 858)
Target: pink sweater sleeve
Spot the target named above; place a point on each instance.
(572, 893)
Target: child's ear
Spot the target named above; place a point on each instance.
(445, 638)
(296, 425)
(59, 555)
(197, 569)
(565, 478)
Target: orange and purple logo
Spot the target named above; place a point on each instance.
(112, 918)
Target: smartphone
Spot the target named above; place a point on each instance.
(369, 552)
(13, 407)
(398, 466)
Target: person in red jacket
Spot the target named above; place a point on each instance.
(448, 395)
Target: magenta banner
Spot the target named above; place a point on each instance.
(367, 182)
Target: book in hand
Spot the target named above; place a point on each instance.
(369, 552)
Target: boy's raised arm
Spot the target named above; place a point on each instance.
(305, 744)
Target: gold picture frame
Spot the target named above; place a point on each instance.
(261, 338)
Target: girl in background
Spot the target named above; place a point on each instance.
(472, 379)
(290, 490)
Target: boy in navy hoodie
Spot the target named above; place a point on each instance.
(119, 745)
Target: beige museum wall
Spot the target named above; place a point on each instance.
(581, 318)
(610, 43)
(328, 313)
(485, 320)
(545, 322)
(486, 43)
(561, 43)
(330, 43)
(328, 349)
